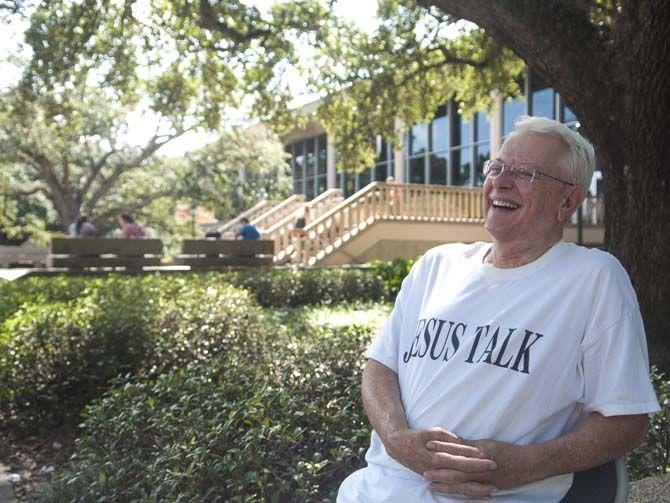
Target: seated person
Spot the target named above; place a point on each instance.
(247, 231)
(82, 228)
(128, 227)
(505, 367)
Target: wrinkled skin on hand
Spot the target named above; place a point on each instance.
(514, 467)
(463, 462)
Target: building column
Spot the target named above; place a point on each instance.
(331, 168)
(496, 124)
(398, 154)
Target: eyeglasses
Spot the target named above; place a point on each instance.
(526, 173)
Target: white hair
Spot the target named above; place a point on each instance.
(580, 161)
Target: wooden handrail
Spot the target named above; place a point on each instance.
(381, 201)
(282, 231)
(278, 212)
(250, 213)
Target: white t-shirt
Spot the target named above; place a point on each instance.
(515, 355)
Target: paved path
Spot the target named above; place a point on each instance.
(14, 273)
(650, 490)
(6, 491)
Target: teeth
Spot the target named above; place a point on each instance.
(505, 204)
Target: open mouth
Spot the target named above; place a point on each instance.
(504, 205)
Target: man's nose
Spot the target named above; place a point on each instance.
(504, 179)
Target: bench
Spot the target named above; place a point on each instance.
(84, 253)
(209, 253)
(22, 256)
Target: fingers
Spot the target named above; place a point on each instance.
(440, 435)
(457, 449)
(470, 489)
(464, 458)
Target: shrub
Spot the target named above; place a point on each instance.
(296, 287)
(286, 427)
(653, 456)
(392, 272)
(38, 290)
(58, 356)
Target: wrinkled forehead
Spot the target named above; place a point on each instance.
(542, 150)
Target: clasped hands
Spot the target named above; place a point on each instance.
(457, 466)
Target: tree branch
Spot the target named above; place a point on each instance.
(132, 208)
(24, 192)
(209, 21)
(95, 171)
(152, 146)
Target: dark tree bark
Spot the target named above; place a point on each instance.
(614, 77)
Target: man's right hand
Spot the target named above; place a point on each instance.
(408, 447)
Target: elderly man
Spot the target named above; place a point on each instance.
(506, 367)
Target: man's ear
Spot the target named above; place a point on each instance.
(571, 202)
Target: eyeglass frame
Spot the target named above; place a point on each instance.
(513, 169)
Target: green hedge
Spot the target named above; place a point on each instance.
(392, 272)
(286, 426)
(57, 356)
(271, 287)
(652, 458)
(63, 338)
(297, 287)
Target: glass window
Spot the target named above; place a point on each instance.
(382, 171)
(483, 127)
(568, 115)
(310, 157)
(417, 171)
(542, 98)
(321, 184)
(483, 154)
(322, 155)
(464, 132)
(309, 186)
(438, 168)
(364, 178)
(299, 160)
(349, 184)
(382, 149)
(462, 165)
(440, 130)
(419, 139)
(512, 110)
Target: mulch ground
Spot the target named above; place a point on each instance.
(35, 459)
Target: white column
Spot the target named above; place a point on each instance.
(331, 174)
(398, 154)
(496, 124)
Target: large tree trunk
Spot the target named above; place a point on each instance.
(616, 83)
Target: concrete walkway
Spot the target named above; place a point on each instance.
(6, 490)
(14, 273)
(650, 490)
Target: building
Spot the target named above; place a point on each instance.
(450, 150)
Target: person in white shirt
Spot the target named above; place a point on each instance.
(506, 367)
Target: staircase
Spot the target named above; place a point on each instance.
(283, 230)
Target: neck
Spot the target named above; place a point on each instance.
(509, 255)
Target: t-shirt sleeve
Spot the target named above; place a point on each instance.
(385, 345)
(616, 369)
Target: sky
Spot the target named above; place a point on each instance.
(141, 125)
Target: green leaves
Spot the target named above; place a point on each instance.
(418, 59)
(285, 425)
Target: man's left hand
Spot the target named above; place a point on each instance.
(515, 466)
